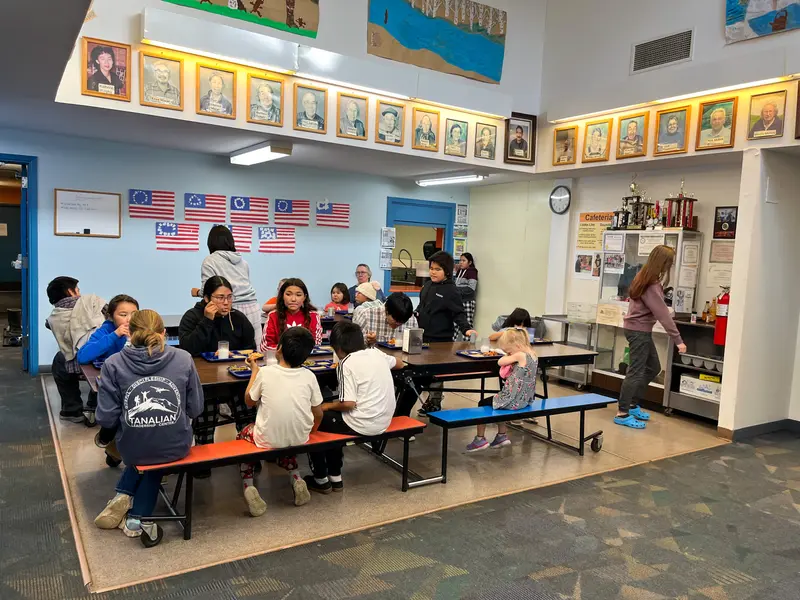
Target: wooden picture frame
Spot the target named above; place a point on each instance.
(253, 109)
(671, 144)
(400, 114)
(362, 103)
(94, 86)
(458, 149)
(482, 152)
(512, 155)
(588, 131)
(797, 116)
(561, 135)
(628, 147)
(205, 104)
(416, 143)
(67, 218)
(146, 90)
(779, 117)
(299, 111)
(706, 109)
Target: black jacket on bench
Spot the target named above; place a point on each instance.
(198, 334)
(440, 311)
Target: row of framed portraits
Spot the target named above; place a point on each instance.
(161, 85)
(716, 129)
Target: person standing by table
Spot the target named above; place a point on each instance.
(363, 275)
(646, 307)
(466, 280)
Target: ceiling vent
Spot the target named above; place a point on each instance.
(661, 52)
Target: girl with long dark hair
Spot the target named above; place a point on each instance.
(294, 309)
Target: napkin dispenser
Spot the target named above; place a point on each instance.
(412, 341)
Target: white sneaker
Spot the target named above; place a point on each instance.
(301, 494)
(114, 512)
(131, 527)
(255, 502)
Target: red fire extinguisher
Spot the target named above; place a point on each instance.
(721, 326)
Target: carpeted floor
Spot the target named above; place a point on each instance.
(722, 524)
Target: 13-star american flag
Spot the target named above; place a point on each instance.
(292, 212)
(276, 239)
(242, 237)
(333, 214)
(204, 207)
(177, 236)
(249, 210)
(148, 204)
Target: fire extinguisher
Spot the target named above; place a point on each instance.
(721, 326)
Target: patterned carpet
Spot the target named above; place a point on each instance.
(722, 524)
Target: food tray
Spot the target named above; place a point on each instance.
(387, 345)
(233, 357)
(243, 374)
(321, 366)
(478, 355)
(322, 351)
(541, 341)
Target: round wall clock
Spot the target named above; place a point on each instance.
(559, 199)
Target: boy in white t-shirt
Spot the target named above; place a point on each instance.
(288, 400)
(365, 407)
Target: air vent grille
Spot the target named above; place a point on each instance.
(662, 51)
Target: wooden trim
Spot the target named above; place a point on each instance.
(180, 86)
(725, 433)
(645, 131)
(586, 129)
(687, 124)
(750, 113)
(574, 128)
(365, 120)
(210, 67)
(701, 110)
(264, 77)
(85, 63)
(297, 86)
(378, 112)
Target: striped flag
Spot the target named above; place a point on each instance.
(177, 236)
(148, 204)
(333, 214)
(209, 208)
(249, 210)
(242, 237)
(276, 240)
(292, 212)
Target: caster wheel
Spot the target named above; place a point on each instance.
(112, 462)
(580, 387)
(149, 542)
(597, 444)
(668, 412)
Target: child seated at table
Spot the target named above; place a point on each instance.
(384, 322)
(288, 399)
(340, 297)
(518, 368)
(294, 309)
(365, 406)
(519, 318)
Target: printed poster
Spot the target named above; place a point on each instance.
(614, 264)
(590, 230)
(587, 265)
(460, 231)
(615, 242)
(684, 300)
(459, 247)
(648, 242)
(609, 314)
(462, 214)
(388, 237)
(386, 259)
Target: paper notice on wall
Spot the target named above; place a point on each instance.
(721, 252)
(648, 241)
(684, 300)
(460, 231)
(459, 247)
(691, 254)
(388, 237)
(590, 230)
(462, 214)
(719, 275)
(609, 314)
(687, 277)
(3, 229)
(615, 242)
(587, 265)
(614, 264)
(386, 259)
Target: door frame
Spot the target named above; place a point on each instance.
(30, 243)
(424, 216)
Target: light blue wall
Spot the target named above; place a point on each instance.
(162, 280)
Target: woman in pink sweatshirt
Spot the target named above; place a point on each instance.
(646, 307)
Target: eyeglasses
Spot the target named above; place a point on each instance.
(222, 298)
(362, 272)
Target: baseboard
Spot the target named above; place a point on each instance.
(762, 429)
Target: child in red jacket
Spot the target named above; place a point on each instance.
(294, 309)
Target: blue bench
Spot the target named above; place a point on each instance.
(484, 415)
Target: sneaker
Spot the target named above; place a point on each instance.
(114, 512)
(90, 420)
(255, 502)
(337, 486)
(131, 527)
(72, 417)
(499, 441)
(320, 488)
(479, 443)
(300, 491)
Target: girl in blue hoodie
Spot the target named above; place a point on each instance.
(113, 334)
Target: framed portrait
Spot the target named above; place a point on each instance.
(725, 222)
(426, 129)
(485, 141)
(105, 69)
(352, 116)
(632, 135)
(216, 92)
(597, 140)
(390, 121)
(265, 100)
(767, 115)
(797, 116)
(564, 140)
(160, 81)
(672, 131)
(310, 108)
(456, 133)
(520, 145)
(716, 127)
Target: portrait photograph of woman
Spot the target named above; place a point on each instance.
(485, 140)
(106, 70)
(597, 141)
(426, 129)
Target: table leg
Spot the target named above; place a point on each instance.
(549, 429)
(483, 387)
(581, 433)
(404, 486)
(544, 383)
(444, 455)
(189, 500)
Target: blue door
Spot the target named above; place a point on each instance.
(23, 228)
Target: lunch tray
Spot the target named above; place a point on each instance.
(322, 351)
(233, 357)
(321, 366)
(477, 355)
(240, 374)
(387, 345)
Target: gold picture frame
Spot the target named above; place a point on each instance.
(351, 128)
(253, 109)
(92, 81)
(563, 156)
(206, 104)
(632, 143)
(590, 154)
(672, 142)
(778, 102)
(147, 91)
(708, 138)
(390, 137)
(418, 142)
(298, 119)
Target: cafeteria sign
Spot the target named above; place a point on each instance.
(590, 229)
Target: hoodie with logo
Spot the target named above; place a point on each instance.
(232, 267)
(440, 311)
(152, 401)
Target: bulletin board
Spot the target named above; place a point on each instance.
(83, 213)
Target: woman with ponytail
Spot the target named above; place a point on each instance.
(150, 392)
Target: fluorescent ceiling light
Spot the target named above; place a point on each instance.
(228, 59)
(260, 154)
(450, 180)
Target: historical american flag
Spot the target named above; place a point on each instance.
(177, 236)
(204, 207)
(276, 239)
(292, 212)
(148, 204)
(249, 210)
(242, 237)
(333, 214)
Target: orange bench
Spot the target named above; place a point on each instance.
(237, 451)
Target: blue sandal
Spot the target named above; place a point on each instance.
(630, 421)
(639, 413)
